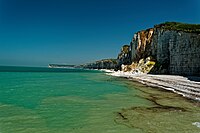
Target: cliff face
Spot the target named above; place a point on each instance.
(124, 57)
(101, 64)
(141, 45)
(175, 51)
(184, 54)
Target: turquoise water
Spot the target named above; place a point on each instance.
(43, 100)
(60, 100)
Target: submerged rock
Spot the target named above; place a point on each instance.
(167, 113)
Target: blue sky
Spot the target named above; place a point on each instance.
(38, 32)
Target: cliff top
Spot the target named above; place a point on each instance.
(191, 28)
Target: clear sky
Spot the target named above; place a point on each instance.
(38, 32)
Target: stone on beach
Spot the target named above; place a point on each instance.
(178, 84)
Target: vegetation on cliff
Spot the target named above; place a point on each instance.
(191, 28)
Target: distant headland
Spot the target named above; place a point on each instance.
(60, 66)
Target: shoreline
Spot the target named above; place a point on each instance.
(188, 87)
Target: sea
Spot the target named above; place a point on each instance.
(61, 100)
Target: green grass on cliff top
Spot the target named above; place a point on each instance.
(191, 28)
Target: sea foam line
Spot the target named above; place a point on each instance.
(196, 124)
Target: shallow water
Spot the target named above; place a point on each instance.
(169, 113)
(80, 101)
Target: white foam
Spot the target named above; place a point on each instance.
(196, 124)
(107, 70)
(125, 74)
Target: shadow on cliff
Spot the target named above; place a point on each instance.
(160, 68)
(193, 78)
(164, 69)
